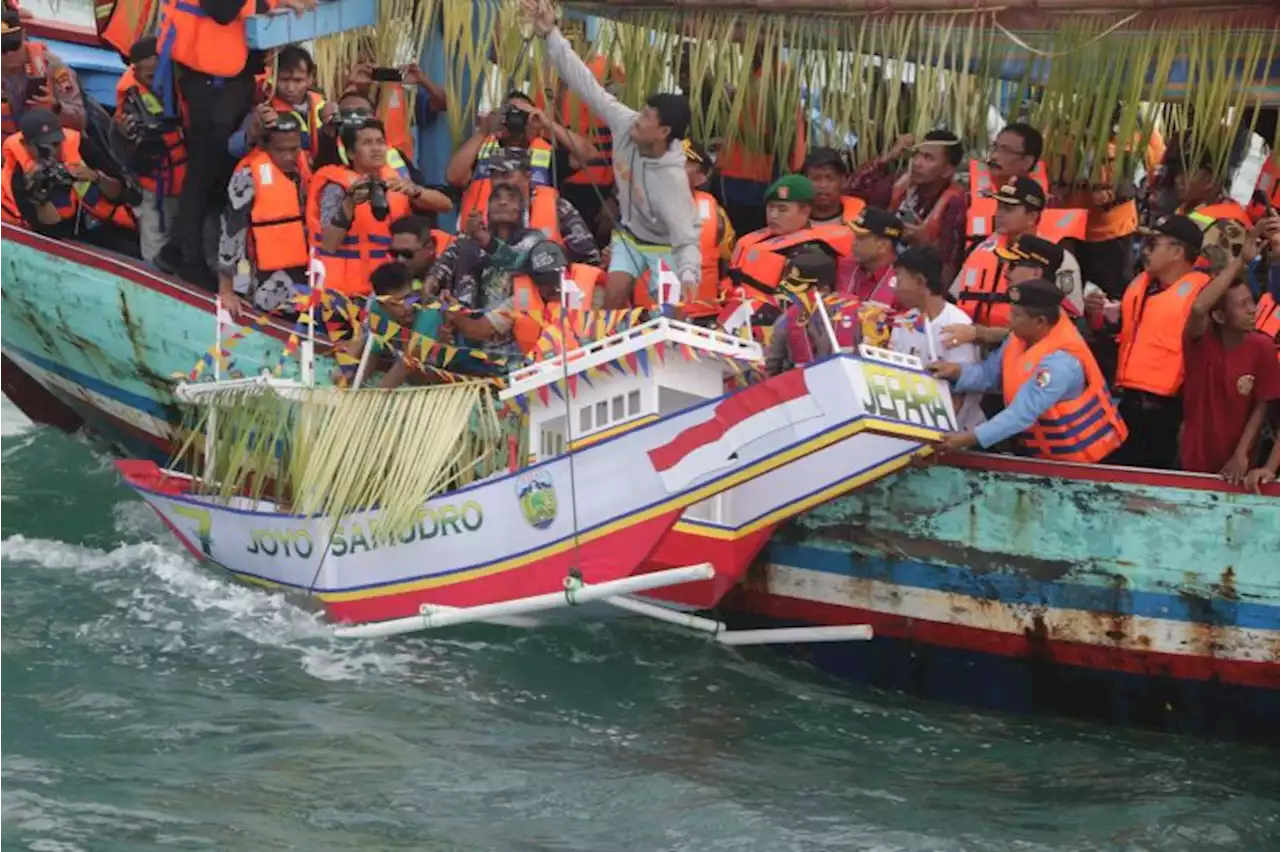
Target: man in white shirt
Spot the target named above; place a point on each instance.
(922, 291)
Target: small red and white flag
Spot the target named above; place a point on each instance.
(669, 288)
(744, 417)
(737, 313)
(571, 294)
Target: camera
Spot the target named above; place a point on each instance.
(378, 204)
(516, 121)
(148, 128)
(49, 175)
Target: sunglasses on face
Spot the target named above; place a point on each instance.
(402, 254)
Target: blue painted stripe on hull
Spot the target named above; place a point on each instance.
(1019, 588)
(1027, 686)
(133, 400)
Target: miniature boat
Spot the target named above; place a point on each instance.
(616, 460)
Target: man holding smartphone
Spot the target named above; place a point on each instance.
(34, 77)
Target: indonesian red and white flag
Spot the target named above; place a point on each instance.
(669, 288)
(747, 416)
(737, 313)
(571, 294)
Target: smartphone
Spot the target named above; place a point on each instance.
(382, 74)
(35, 88)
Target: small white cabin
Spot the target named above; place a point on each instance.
(672, 382)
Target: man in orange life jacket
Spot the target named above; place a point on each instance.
(390, 100)
(34, 77)
(800, 335)
(1153, 316)
(46, 184)
(1055, 396)
(155, 144)
(827, 171)
(264, 251)
(518, 125)
(1028, 257)
(293, 93)
(203, 49)
(868, 275)
(354, 109)
(717, 236)
(534, 302)
(472, 270)
(926, 197)
(760, 257)
(980, 288)
(350, 208)
(545, 209)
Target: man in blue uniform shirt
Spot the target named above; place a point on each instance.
(1058, 376)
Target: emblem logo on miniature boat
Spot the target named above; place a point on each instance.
(537, 495)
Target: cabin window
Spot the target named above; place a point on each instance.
(552, 444)
(602, 414)
(633, 403)
(619, 408)
(584, 419)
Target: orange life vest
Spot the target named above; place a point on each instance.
(121, 23)
(277, 233)
(760, 257)
(174, 169)
(308, 116)
(68, 202)
(16, 158)
(1268, 321)
(541, 156)
(1085, 429)
(396, 117)
(192, 39)
(933, 220)
(1060, 223)
(542, 214)
(982, 206)
(1121, 219)
(1151, 334)
(737, 162)
(575, 115)
(850, 207)
(1269, 185)
(709, 246)
(1225, 209)
(983, 284)
(441, 240)
(37, 67)
(364, 248)
(533, 314)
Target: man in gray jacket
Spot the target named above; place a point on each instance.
(659, 221)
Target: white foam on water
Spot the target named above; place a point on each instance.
(158, 589)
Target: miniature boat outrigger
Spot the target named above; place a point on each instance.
(628, 436)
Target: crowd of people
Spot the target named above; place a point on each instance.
(1077, 323)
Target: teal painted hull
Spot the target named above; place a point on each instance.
(1127, 596)
(106, 337)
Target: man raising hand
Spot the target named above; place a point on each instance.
(658, 221)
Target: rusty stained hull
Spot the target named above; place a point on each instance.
(93, 339)
(1111, 594)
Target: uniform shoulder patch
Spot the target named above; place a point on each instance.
(1043, 378)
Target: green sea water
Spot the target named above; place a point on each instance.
(149, 703)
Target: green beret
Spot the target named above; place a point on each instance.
(796, 188)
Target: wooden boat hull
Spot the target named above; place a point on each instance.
(108, 339)
(1126, 596)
